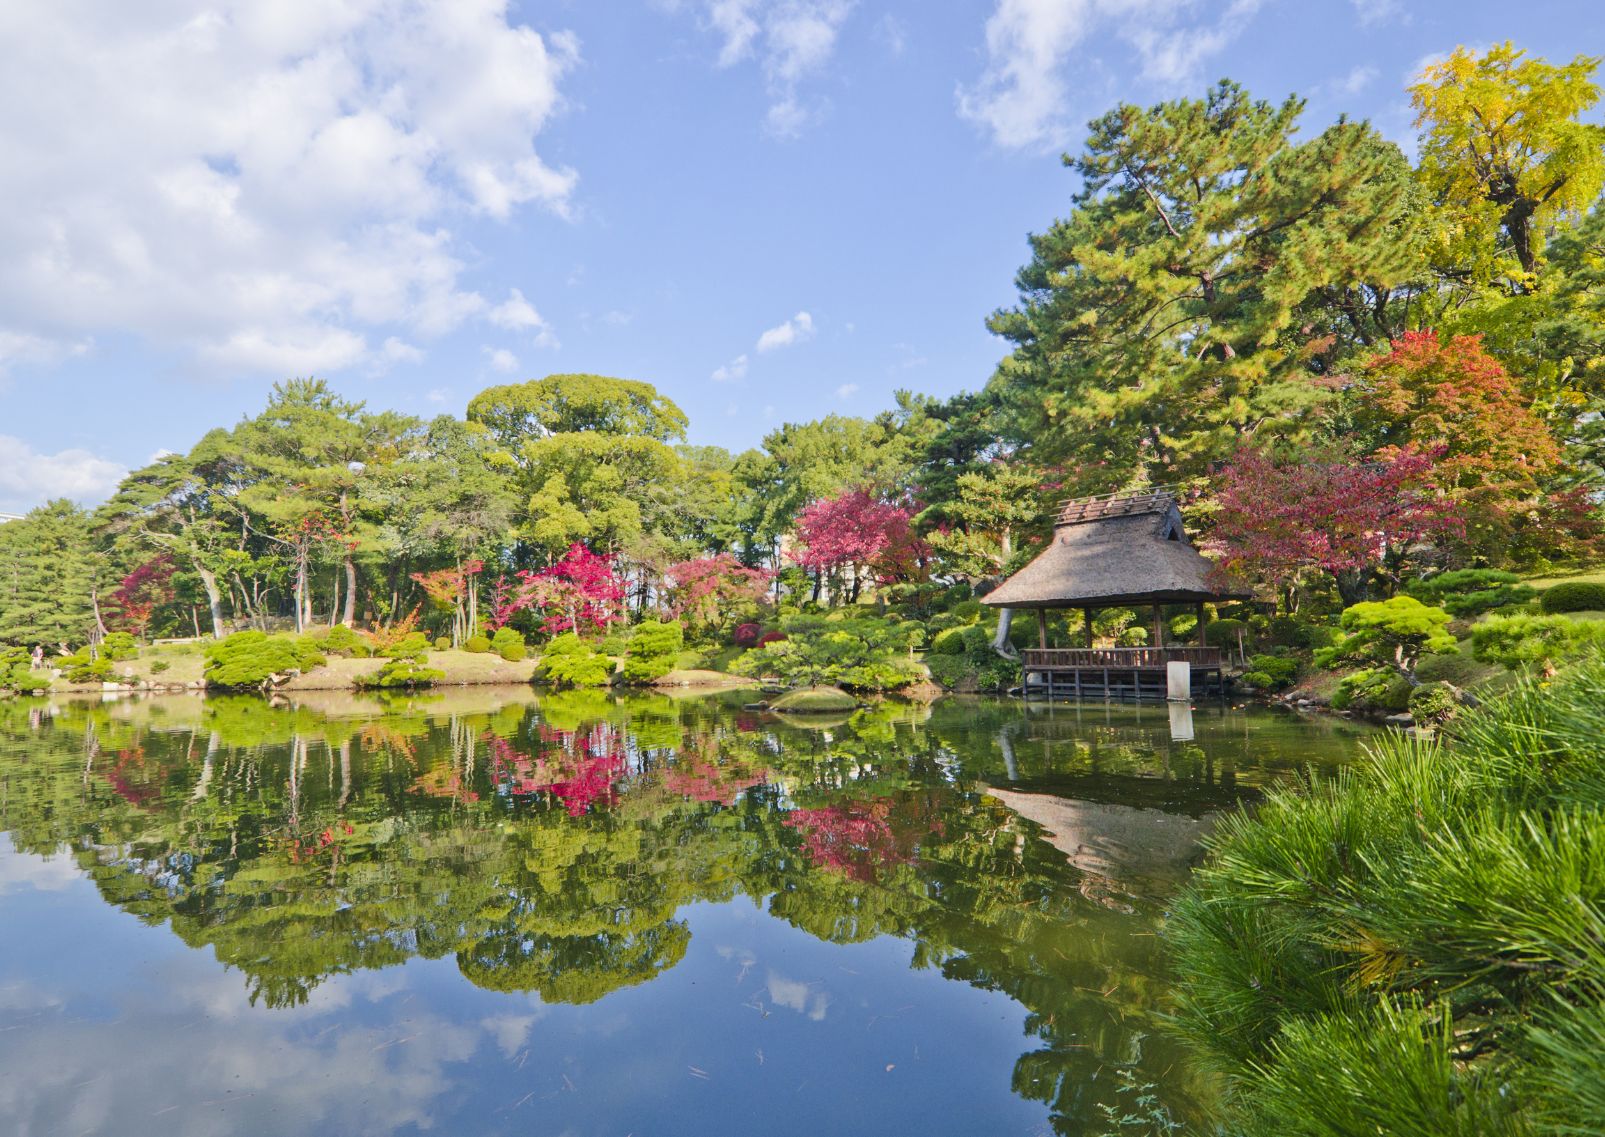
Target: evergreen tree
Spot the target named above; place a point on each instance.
(48, 574)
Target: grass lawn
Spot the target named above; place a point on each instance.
(1594, 575)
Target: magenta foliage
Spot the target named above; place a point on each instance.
(855, 529)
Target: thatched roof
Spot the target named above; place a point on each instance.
(1113, 551)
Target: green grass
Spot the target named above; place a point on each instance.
(1594, 575)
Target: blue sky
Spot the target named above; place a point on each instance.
(771, 209)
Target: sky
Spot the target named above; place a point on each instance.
(770, 209)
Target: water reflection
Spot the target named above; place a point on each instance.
(650, 879)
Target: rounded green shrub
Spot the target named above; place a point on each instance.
(949, 642)
(250, 659)
(509, 645)
(1224, 632)
(158, 666)
(570, 662)
(652, 650)
(967, 610)
(1573, 596)
(118, 646)
(341, 640)
(1281, 670)
(1433, 703)
(478, 644)
(1257, 680)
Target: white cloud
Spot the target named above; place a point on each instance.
(795, 330)
(501, 359)
(1358, 79)
(791, 39)
(735, 370)
(439, 396)
(846, 391)
(25, 347)
(1378, 11)
(516, 314)
(1023, 98)
(29, 478)
(267, 186)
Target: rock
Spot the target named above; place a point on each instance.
(1405, 719)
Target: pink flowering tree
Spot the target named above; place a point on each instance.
(703, 591)
(1281, 516)
(855, 536)
(578, 593)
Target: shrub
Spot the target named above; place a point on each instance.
(341, 640)
(570, 662)
(1281, 670)
(478, 644)
(1224, 633)
(247, 660)
(868, 654)
(1545, 641)
(158, 666)
(1412, 947)
(967, 610)
(1134, 636)
(442, 643)
(949, 642)
(1373, 689)
(81, 667)
(16, 675)
(411, 671)
(118, 646)
(509, 645)
(771, 638)
(1183, 627)
(652, 651)
(1465, 593)
(1573, 596)
(1397, 632)
(410, 646)
(746, 635)
(1257, 680)
(1433, 703)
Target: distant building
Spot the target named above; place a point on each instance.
(4, 517)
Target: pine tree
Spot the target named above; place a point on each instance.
(1158, 326)
(47, 577)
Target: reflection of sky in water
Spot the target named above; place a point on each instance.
(871, 943)
(122, 1030)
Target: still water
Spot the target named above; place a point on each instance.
(491, 912)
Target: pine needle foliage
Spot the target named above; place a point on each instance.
(1417, 946)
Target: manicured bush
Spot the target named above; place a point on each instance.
(341, 640)
(1258, 680)
(83, 667)
(1373, 689)
(509, 645)
(950, 642)
(771, 638)
(1573, 596)
(1183, 627)
(478, 644)
(442, 643)
(870, 655)
(746, 635)
(16, 674)
(411, 671)
(158, 666)
(967, 610)
(1541, 641)
(118, 646)
(1433, 703)
(248, 660)
(570, 662)
(1412, 947)
(1465, 593)
(652, 650)
(1224, 632)
(410, 646)
(1134, 636)
(1281, 670)
(1396, 632)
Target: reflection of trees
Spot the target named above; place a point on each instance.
(550, 847)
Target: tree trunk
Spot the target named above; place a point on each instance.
(214, 598)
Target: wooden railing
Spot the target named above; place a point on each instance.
(1122, 657)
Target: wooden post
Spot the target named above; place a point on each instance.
(1159, 626)
(1087, 612)
(1042, 628)
(1202, 620)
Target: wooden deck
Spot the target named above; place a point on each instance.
(1117, 672)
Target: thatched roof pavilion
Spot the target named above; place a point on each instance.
(1115, 551)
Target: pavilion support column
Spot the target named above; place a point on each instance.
(1159, 625)
(1203, 618)
(1042, 628)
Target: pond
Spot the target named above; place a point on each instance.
(489, 912)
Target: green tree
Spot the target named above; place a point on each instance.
(48, 577)
(570, 404)
(1158, 325)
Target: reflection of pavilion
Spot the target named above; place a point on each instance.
(1117, 551)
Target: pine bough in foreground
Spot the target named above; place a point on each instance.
(1418, 947)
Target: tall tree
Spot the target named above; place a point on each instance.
(48, 577)
(1158, 324)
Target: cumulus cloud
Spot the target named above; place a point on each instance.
(1023, 98)
(516, 314)
(732, 371)
(29, 478)
(846, 391)
(500, 359)
(1378, 11)
(791, 40)
(268, 187)
(795, 330)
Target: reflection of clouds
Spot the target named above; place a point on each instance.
(511, 1032)
(163, 1070)
(797, 996)
(45, 874)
